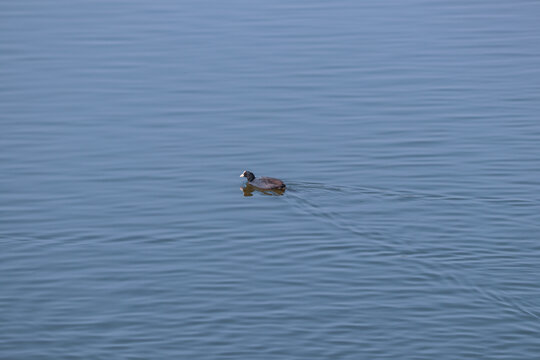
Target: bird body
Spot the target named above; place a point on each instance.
(263, 182)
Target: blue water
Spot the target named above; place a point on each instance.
(407, 132)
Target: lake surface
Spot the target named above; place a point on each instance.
(408, 134)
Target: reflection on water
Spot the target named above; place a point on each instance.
(408, 137)
(249, 189)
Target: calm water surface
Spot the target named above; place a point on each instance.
(408, 134)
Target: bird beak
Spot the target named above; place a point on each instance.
(242, 175)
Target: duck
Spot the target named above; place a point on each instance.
(263, 182)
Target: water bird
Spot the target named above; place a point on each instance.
(267, 183)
